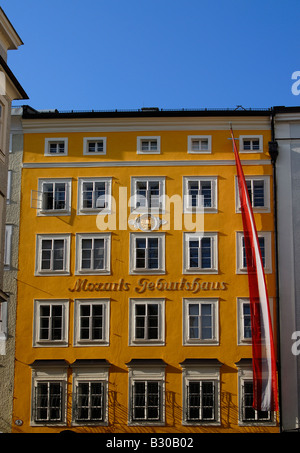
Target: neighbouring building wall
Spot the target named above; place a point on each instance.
(7, 336)
(287, 134)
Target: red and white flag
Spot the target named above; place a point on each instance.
(263, 353)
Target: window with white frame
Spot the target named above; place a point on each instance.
(49, 391)
(259, 193)
(3, 327)
(90, 392)
(199, 144)
(8, 246)
(247, 414)
(56, 146)
(148, 194)
(54, 196)
(9, 186)
(244, 319)
(94, 146)
(94, 195)
(52, 254)
(200, 321)
(147, 322)
(201, 391)
(200, 253)
(146, 392)
(251, 143)
(51, 321)
(147, 253)
(148, 145)
(200, 193)
(93, 253)
(265, 245)
(91, 325)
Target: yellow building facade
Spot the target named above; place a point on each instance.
(133, 309)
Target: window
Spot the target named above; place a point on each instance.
(93, 253)
(251, 143)
(200, 253)
(247, 414)
(264, 239)
(259, 193)
(49, 385)
(94, 146)
(8, 246)
(90, 388)
(244, 319)
(147, 322)
(51, 318)
(94, 196)
(147, 253)
(52, 254)
(91, 322)
(147, 194)
(56, 146)
(148, 145)
(200, 193)
(9, 186)
(54, 196)
(199, 144)
(201, 391)
(200, 321)
(146, 384)
(3, 327)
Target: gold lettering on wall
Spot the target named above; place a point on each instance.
(144, 284)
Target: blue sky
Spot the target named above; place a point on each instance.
(172, 54)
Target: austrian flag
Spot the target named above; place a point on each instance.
(263, 354)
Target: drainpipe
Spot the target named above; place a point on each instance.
(273, 152)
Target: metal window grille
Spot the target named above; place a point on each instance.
(48, 402)
(249, 414)
(200, 401)
(146, 400)
(89, 401)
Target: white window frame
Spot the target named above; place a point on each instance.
(267, 207)
(9, 186)
(241, 340)
(92, 372)
(214, 253)
(267, 235)
(186, 340)
(107, 253)
(146, 372)
(145, 209)
(140, 139)
(94, 210)
(50, 141)
(49, 373)
(245, 373)
(40, 342)
(251, 138)
(8, 246)
(104, 341)
(68, 193)
(38, 259)
(160, 341)
(161, 254)
(3, 327)
(87, 140)
(201, 372)
(187, 208)
(200, 138)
